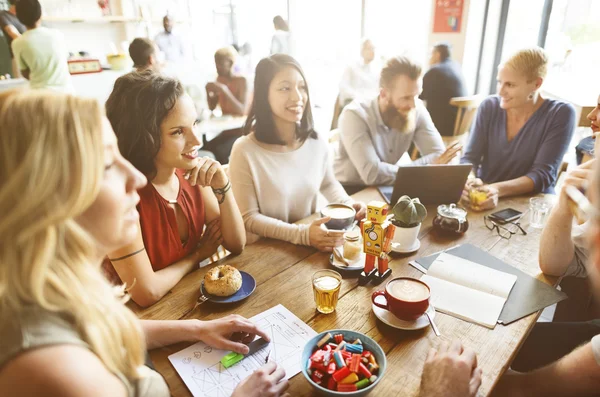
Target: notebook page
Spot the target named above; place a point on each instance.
(464, 303)
(472, 275)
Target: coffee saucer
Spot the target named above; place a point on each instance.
(357, 264)
(388, 318)
(402, 250)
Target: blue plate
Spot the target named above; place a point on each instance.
(248, 287)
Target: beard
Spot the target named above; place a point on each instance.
(403, 122)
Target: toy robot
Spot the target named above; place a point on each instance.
(377, 233)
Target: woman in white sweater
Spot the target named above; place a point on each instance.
(279, 167)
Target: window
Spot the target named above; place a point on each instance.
(573, 44)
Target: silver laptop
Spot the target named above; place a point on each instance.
(432, 184)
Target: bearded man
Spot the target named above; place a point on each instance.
(375, 134)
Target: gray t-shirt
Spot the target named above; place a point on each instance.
(6, 18)
(577, 266)
(369, 151)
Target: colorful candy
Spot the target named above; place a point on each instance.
(326, 338)
(352, 378)
(340, 374)
(361, 384)
(340, 365)
(347, 387)
(354, 348)
(339, 360)
(364, 371)
(354, 363)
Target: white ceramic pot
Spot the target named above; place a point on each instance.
(406, 237)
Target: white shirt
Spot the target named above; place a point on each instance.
(280, 43)
(369, 152)
(44, 53)
(171, 45)
(360, 81)
(275, 189)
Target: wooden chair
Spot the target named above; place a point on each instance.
(467, 108)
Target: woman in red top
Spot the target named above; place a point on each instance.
(154, 120)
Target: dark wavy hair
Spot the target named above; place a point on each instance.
(136, 107)
(260, 118)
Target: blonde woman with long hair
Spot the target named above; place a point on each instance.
(68, 197)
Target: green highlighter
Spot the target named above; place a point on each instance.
(232, 358)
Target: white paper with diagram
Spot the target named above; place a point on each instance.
(199, 365)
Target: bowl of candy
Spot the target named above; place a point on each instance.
(343, 363)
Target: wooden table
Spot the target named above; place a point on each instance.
(283, 274)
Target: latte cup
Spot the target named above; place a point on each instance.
(406, 298)
(342, 216)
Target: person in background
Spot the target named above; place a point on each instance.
(519, 138)
(170, 43)
(68, 197)
(41, 53)
(281, 165)
(11, 28)
(375, 134)
(155, 120)
(229, 91)
(143, 54)
(280, 43)
(443, 81)
(361, 79)
(587, 148)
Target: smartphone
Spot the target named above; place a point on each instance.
(506, 215)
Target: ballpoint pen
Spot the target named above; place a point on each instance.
(268, 356)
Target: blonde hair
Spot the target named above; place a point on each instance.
(397, 66)
(531, 62)
(51, 167)
(226, 53)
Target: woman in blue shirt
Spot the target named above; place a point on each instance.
(519, 138)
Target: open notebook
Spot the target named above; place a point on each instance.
(467, 290)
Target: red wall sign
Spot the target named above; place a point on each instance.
(447, 16)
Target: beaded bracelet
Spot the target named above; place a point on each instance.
(222, 192)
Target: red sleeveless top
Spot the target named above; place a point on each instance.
(159, 224)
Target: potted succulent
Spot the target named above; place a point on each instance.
(408, 214)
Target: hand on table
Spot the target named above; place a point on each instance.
(268, 381)
(491, 198)
(323, 239)
(361, 210)
(451, 371)
(231, 332)
(449, 154)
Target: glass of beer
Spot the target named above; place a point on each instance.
(326, 287)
